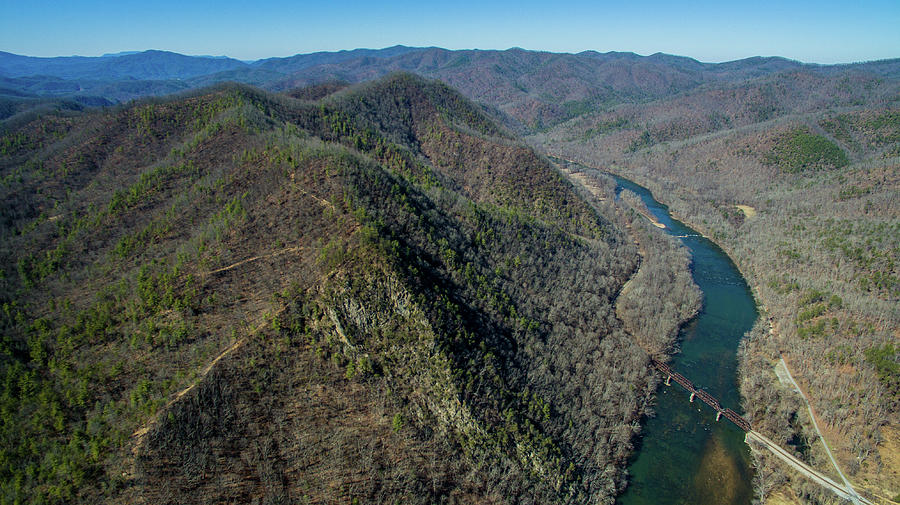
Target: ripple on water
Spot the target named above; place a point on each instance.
(718, 479)
(686, 457)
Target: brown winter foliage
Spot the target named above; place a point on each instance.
(361, 294)
(813, 160)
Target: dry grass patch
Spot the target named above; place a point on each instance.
(749, 212)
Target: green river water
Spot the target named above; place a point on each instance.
(685, 456)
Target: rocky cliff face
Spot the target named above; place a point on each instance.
(371, 293)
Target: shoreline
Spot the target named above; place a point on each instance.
(713, 258)
(750, 281)
(764, 316)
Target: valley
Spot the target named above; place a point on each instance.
(819, 251)
(358, 284)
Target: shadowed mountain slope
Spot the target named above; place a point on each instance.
(373, 294)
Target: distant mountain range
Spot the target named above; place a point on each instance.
(334, 291)
(534, 88)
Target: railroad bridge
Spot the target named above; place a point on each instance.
(844, 491)
(707, 398)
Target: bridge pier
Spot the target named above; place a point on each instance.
(707, 398)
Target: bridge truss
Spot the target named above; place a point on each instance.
(707, 398)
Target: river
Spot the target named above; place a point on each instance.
(685, 456)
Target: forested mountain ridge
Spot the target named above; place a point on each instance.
(791, 167)
(795, 174)
(374, 293)
(536, 89)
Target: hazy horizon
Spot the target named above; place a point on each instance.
(125, 52)
(827, 32)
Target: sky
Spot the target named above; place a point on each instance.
(822, 31)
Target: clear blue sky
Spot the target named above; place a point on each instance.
(820, 31)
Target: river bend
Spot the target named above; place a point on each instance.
(685, 456)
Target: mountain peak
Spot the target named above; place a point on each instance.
(120, 53)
